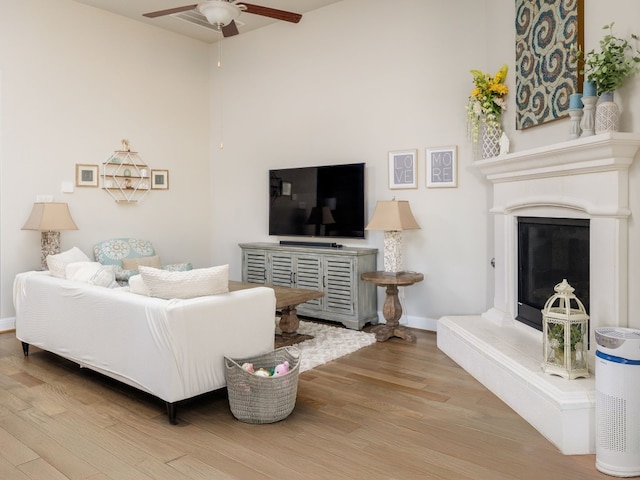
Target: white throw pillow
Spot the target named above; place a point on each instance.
(137, 285)
(81, 271)
(192, 283)
(105, 276)
(93, 273)
(57, 263)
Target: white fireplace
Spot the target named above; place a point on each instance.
(582, 178)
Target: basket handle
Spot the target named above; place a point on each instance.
(293, 351)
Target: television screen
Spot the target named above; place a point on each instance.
(323, 201)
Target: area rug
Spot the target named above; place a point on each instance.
(329, 343)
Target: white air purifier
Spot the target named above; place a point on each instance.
(618, 401)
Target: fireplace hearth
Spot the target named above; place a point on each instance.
(585, 179)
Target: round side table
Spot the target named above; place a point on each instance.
(392, 309)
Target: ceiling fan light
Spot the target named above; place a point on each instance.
(219, 13)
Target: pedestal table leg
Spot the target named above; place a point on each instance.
(392, 311)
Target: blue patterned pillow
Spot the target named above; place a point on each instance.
(111, 252)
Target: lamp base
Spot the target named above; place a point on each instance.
(393, 251)
(49, 245)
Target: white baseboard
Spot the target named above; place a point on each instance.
(7, 324)
(421, 323)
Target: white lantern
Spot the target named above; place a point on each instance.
(565, 326)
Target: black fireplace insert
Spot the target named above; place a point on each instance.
(550, 250)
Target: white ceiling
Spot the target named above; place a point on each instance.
(246, 21)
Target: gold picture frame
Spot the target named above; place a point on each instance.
(403, 169)
(160, 179)
(86, 175)
(442, 167)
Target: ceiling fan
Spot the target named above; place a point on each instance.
(223, 13)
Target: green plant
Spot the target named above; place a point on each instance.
(610, 67)
(556, 336)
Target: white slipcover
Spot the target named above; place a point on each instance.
(173, 349)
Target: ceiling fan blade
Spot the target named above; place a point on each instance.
(271, 12)
(230, 30)
(170, 11)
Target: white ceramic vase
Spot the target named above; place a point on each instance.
(491, 133)
(607, 114)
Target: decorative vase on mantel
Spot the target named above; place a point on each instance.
(607, 114)
(490, 138)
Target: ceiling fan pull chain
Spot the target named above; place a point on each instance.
(220, 88)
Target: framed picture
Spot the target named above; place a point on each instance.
(442, 167)
(546, 32)
(403, 169)
(86, 175)
(160, 179)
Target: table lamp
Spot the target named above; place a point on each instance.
(392, 216)
(320, 216)
(49, 218)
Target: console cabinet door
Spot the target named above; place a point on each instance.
(255, 266)
(340, 281)
(308, 274)
(281, 270)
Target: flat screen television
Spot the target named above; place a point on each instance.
(322, 201)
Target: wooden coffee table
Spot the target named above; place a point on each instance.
(287, 299)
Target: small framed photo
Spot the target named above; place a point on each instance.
(86, 175)
(403, 169)
(442, 167)
(160, 179)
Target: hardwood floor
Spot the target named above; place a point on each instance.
(394, 410)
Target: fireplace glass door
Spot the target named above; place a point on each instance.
(550, 250)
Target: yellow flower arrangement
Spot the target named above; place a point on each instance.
(486, 102)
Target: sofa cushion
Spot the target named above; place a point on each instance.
(189, 284)
(113, 251)
(57, 263)
(134, 263)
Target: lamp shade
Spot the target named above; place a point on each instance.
(320, 216)
(50, 216)
(392, 215)
(219, 13)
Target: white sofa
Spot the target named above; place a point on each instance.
(173, 349)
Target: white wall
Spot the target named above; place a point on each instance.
(597, 14)
(349, 83)
(75, 81)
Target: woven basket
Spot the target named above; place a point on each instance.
(256, 399)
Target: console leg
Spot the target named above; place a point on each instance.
(25, 349)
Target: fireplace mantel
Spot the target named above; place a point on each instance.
(582, 178)
(607, 151)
